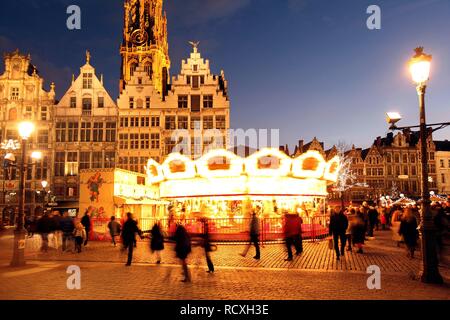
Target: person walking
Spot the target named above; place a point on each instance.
(207, 246)
(351, 217)
(254, 237)
(129, 230)
(338, 227)
(67, 226)
(56, 228)
(86, 222)
(441, 226)
(292, 234)
(358, 231)
(114, 228)
(157, 241)
(372, 215)
(44, 227)
(408, 229)
(182, 249)
(395, 224)
(79, 235)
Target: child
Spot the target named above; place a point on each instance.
(80, 235)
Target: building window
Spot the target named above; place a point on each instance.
(134, 141)
(43, 138)
(131, 102)
(28, 112)
(98, 132)
(413, 170)
(123, 162)
(124, 122)
(207, 101)
(147, 102)
(134, 121)
(87, 106)
(389, 170)
(169, 144)
(441, 163)
(188, 80)
(155, 122)
(123, 141)
(101, 102)
(208, 122)
(195, 67)
(195, 103)
(431, 155)
(85, 160)
(432, 168)
(202, 80)
(148, 69)
(396, 158)
(109, 159)
(44, 113)
(72, 164)
(85, 132)
(41, 169)
(14, 93)
(134, 164)
(154, 140)
(60, 132)
(87, 80)
(110, 132)
(389, 158)
(405, 170)
(73, 102)
(413, 158)
(72, 191)
(170, 123)
(182, 122)
(196, 123)
(139, 81)
(145, 141)
(182, 102)
(195, 82)
(97, 159)
(72, 132)
(220, 122)
(145, 122)
(405, 158)
(59, 164)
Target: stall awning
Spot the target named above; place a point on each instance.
(123, 200)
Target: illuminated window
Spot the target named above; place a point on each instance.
(87, 80)
(154, 140)
(207, 101)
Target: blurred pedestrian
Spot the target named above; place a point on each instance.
(114, 228)
(395, 224)
(372, 215)
(408, 229)
(67, 226)
(441, 226)
(44, 227)
(207, 246)
(358, 230)
(337, 229)
(351, 217)
(293, 234)
(157, 241)
(129, 230)
(182, 249)
(56, 228)
(79, 236)
(86, 222)
(254, 237)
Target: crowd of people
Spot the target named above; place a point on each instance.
(349, 229)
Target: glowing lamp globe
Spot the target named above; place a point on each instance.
(419, 66)
(44, 184)
(26, 128)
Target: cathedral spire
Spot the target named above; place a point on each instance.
(145, 42)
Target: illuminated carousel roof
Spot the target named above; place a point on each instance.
(268, 172)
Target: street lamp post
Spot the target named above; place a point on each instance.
(44, 195)
(420, 70)
(18, 259)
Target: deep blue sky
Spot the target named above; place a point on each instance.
(308, 67)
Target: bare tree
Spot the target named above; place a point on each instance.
(346, 178)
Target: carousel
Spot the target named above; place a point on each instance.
(226, 188)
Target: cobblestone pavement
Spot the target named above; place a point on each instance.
(314, 275)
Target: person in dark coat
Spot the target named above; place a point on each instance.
(337, 229)
(207, 246)
(44, 227)
(254, 237)
(182, 249)
(292, 234)
(358, 232)
(114, 228)
(157, 241)
(372, 216)
(86, 222)
(129, 230)
(408, 229)
(67, 226)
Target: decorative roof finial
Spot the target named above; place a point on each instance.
(194, 45)
(88, 57)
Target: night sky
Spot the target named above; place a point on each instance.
(308, 67)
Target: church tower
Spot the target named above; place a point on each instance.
(145, 43)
